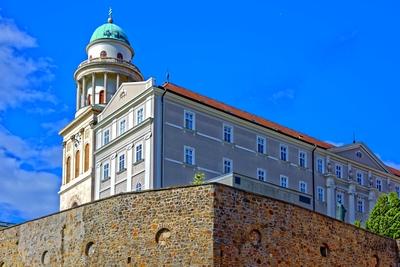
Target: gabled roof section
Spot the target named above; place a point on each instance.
(244, 115)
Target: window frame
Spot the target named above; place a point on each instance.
(103, 176)
(340, 193)
(104, 136)
(341, 170)
(193, 120)
(193, 151)
(302, 152)
(286, 152)
(264, 176)
(124, 120)
(362, 201)
(281, 178)
(140, 144)
(322, 165)
(119, 162)
(361, 182)
(141, 111)
(264, 145)
(320, 191)
(224, 166)
(305, 187)
(138, 187)
(380, 186)
(227, 126)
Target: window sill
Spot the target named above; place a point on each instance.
(121, 171)
(187, 165)
(138, 162)
(192, 131)
(105, 179)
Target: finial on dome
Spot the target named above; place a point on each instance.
(110, 20)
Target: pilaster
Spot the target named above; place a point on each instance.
(330, 195)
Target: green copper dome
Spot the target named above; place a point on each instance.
(109, 31)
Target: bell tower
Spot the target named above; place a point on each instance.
(108, 65)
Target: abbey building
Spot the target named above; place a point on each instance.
(130, 134)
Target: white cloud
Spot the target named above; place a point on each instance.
(282, 94)
(392, 164)
(54, 127)
(21, 75)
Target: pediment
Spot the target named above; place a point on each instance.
(125, 93)
(359, 152)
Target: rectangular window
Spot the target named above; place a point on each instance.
(261, 174)
(320, 165)
(338, 171)
(228, 133)
(139, 115)
(303, 187)
(106, 171)
(121, 162)
(138, 152)
(189, 155)
(227, 165)
(320, 194)
(106, 137)
(397, 188)
(122, 126)
(379, 184)
(302, 159)
(284, 181)
(261, 145)
(284, 152)
(360, 178)
(360, 205)
(189, 118)
(339, 198)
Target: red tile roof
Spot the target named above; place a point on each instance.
(181, 91)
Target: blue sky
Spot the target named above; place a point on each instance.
(326, 69)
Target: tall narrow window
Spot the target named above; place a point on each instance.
(397, 188)
(303, 187)
(338, 169)
(122, 126)
(189, 118)
(106, 171)
(379, 184)
(189, 155)
(261, 174)
(138, 152)
(228, 133)
(302, 159)
(227, 165)
(261, 145)
(284, 181)
(360, 178)
(89, 99)
(77, 162)
(139, 115)
(360, 205)
(101, 97)
(320, 165)
(68, 170)
(121, 162)
(87, 157)
(340, 198)
(284, 152)
(106, 137)
(320, 194)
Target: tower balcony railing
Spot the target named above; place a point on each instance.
(106, 60)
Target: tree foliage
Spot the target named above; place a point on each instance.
(198, 178)
(357, 223)
(384, 218)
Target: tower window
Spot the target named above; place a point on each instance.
(77, 162)
(120, 56)
(101, 97)
(103, 54)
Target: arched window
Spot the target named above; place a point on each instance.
(101, 97)
(68, 170)
(89, 98)
(74, 205)
(103, 54)
(86, 157)
(77, 161)
(90, 57)
(138, 187)
(120, 56)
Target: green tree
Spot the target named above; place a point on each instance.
(384, 218)
(198, 178)
(357, 223)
